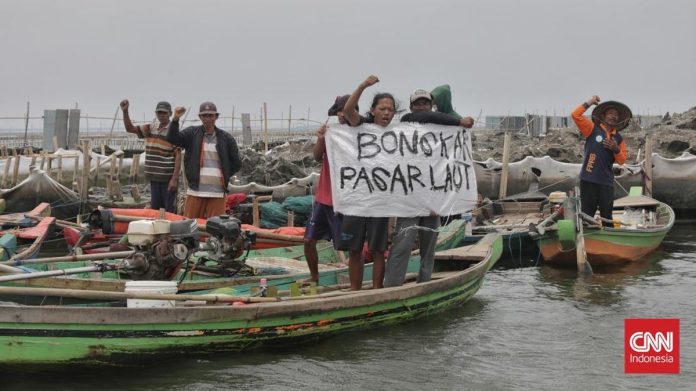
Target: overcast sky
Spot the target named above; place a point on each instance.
(498, 56)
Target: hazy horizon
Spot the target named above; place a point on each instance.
(500, 57)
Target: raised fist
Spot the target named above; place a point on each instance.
(179, 111)
(371, 80)
(124, 105)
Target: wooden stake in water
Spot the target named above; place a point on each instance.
(15, 173)
(6, 172)
(506, 163)
(86, 149)
(265, 127)
(648, 167)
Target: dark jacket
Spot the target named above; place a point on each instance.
(191, 139)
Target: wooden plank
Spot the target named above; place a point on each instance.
(648, 167)
(506, 161)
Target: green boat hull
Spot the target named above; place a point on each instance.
(50, 334)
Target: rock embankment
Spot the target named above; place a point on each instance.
(674, 136)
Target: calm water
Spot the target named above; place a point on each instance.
(528, 328)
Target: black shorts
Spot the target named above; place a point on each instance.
(356, 229)
(324, 224)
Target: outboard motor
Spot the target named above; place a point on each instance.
(226, 243)
(161, 247)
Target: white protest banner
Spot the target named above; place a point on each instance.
(403, 170)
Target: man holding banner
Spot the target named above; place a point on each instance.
(401, 170)
(424, 226)
(324, 223)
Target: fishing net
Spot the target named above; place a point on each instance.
(301, 207)
(273, 215)
(38, 187)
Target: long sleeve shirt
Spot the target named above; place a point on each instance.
(598, 160)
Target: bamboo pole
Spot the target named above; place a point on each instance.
(113, 177)
(506, 162)
(94, 171)
(113, 123)
(110, 159)
(10, 269)
(648, 167)
(49, 165)
(182, 175)
(265, 127)
(100, 295)
(60, 168)
(75, 166)
(60, 223)
(54, 273)
(232, 125)
(85, 170)
(135, 167)
(120, 166)
(72, 258)
(15, 171)
(26, 125)
(6, 171)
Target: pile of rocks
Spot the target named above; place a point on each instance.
(674, 136)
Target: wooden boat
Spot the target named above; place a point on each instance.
(97, 241)
(512, 218)
(290, 260)
(63, 334)
(29, 231)
(641, 224)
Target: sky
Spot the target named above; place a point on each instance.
(498, 56)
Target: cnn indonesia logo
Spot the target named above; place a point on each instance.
(651, 346)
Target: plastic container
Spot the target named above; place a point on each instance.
(151, 287)
(263, 286)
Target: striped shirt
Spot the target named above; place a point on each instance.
(210, 184)
(160, 154)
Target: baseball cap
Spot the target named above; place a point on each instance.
(164, 106)
(420, 93)
(339, 104)
(207, 108)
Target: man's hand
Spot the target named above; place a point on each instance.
(610, 144)
(173, 185)
(371, 80)
(466, 122)
(178, 112)
(593, 101)
(124, 105)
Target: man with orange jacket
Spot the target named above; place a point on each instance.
(603, 146)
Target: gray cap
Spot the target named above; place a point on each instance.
(207, 108)
(421, 94)
(164, 106)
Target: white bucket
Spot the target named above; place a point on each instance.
(150, 287)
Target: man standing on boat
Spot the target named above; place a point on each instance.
(210, 160)
(603, 146)
(324, 223)
(162, 159)
(424, 226)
